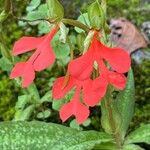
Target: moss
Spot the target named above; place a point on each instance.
(7, 99)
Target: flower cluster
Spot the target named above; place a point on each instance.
(89, 92)
(111, 64)
(40, 60)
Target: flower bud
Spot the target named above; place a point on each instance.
(55, 10)
(96, 15)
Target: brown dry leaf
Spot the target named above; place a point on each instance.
(125, 35)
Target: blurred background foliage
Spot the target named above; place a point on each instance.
(136, 11)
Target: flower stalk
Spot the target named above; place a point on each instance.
(76, 24)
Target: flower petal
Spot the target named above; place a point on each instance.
(45, 58)
(58, 91)
(66, 111)
(117, 80)
(94, 91)
(118, 58)
(26, 44)
(28, 75)
(17, 71)
(81, 67)
(81, 112)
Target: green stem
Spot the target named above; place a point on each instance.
(32, 90)
(76, 24)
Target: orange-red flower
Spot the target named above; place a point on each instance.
(40, 60)
(86, 94)
(119, 60)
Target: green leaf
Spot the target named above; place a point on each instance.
(5, 64)
(5, 52)
(132, 147)
(35, 15)
(44, 27)
(83, 18)
(63, 62)
(33, 91)
(38, 136)
(22, 115)
(96, 15)
(87, 122)
(105, 146)
(3, 16)
(45, 114)
(110, 119)
(40, 13)
(125, 103)
(121, 109)
(33, 5)
(47, 97)
(55, 10)
(57, 104)
(61, 50)
(22, 101)
(140, 135)
(75, 125)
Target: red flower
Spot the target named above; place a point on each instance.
(87, 93)
(40, 60)
(82, 67)
(92, 90)
(118, 80)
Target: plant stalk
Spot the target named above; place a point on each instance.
(76, 24)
